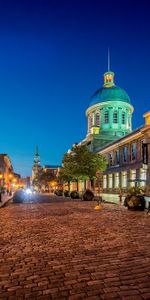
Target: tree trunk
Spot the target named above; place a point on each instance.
(84, 185)
(68, 185)
(92, 184)
(77, 185)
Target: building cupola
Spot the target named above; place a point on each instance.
(109, 79)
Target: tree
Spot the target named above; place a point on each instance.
(62, 177)
(82, 164)
(46, 178)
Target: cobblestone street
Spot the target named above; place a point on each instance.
(59, 249)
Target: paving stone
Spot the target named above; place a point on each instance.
(64, 249)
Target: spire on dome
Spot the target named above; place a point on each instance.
(109, 75)
(108, 60)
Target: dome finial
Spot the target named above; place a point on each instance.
(109, 75)
(108, 59)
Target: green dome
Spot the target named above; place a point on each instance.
(113, 93)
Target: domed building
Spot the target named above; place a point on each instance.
(109, 115)
(109, 133)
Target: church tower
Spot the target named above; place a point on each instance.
(36, 169)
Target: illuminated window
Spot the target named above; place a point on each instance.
(98, 119)
(110, 78)
(123, 118)
(110, 181)
(133, 151)
(125, 153)
(124, 179)
(115, 117)
(143, 176)
(132, 178)
(104, 181)
(116, 180)
(106, 117)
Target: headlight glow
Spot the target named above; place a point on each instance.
(28, 191)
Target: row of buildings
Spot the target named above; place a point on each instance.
(109, 132)
(9, 180)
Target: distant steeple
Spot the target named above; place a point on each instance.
(109, 75)
(37, 157)
(37, 151)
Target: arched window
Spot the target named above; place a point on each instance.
(97, 119)
(115, 117)
(107, 78)
(106, 117)
(123, 118)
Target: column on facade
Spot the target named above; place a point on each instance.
(81, 186)
(88, 184)
(128, 178)
(120, 180)
(137, 177)
(116, 179)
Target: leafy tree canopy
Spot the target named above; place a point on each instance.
(80, 163)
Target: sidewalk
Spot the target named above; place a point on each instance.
(5, 199)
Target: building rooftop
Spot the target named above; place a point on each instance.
(52, 166)
(113, 93)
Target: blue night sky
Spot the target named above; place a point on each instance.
(52, 58)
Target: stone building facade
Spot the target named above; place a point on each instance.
(128, 161)
(6, 171)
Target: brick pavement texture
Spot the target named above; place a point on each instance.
(67, 250)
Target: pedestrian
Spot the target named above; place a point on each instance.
(0, 196)
(148, 209)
